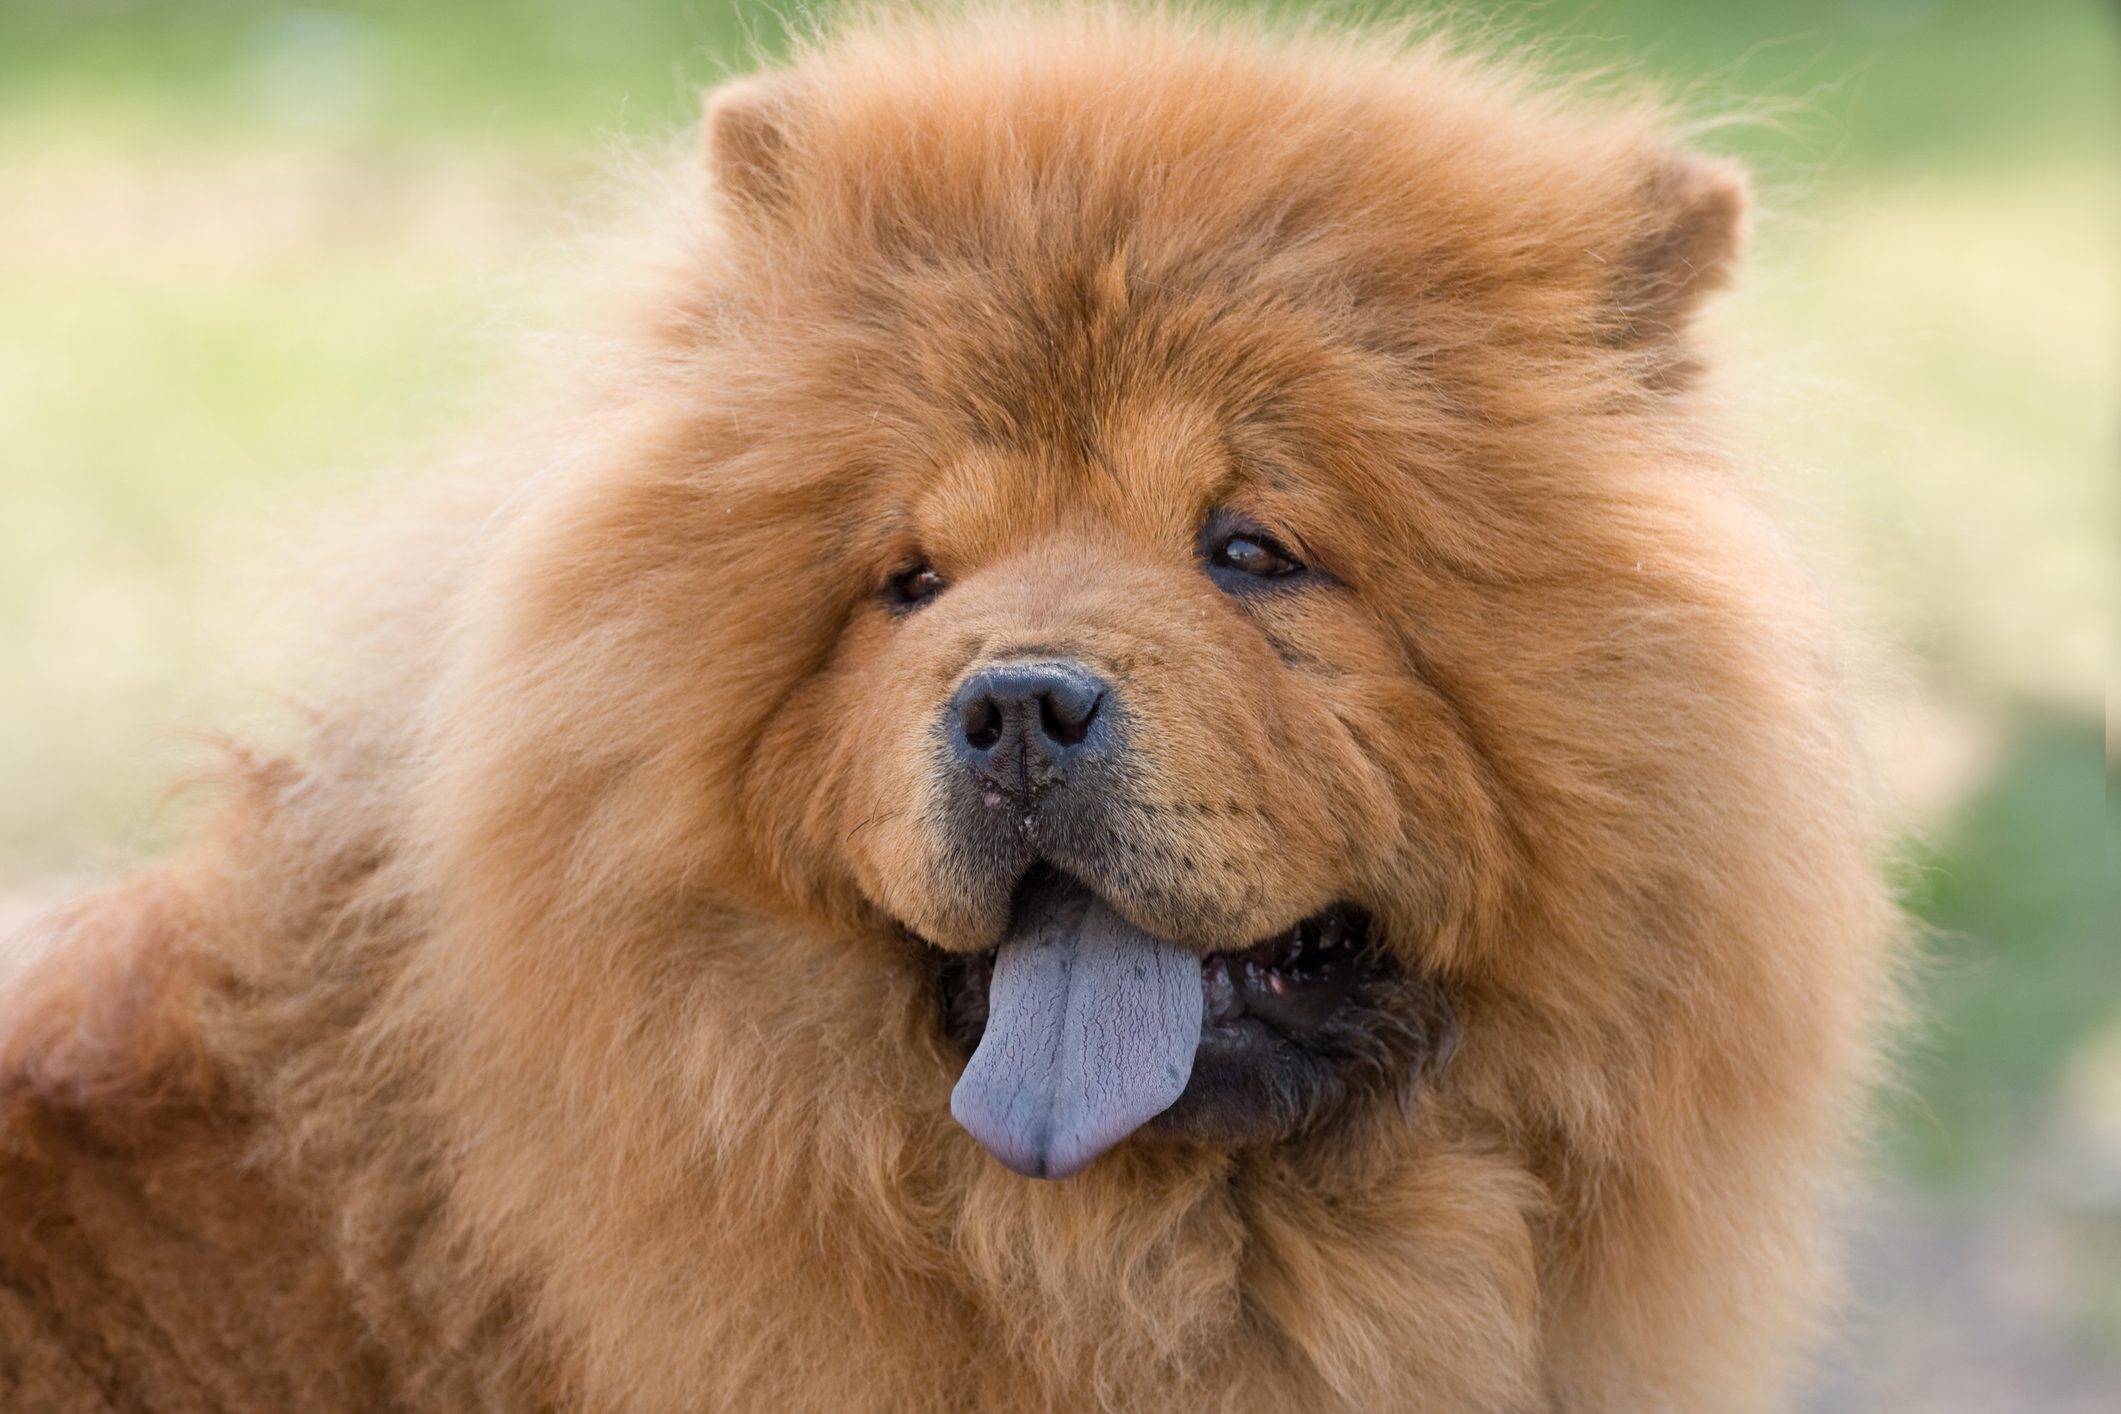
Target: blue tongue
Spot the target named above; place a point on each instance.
(1091, 1029)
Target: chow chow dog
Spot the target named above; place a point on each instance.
(1137, 752)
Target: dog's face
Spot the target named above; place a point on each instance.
(1132, 576)
(1147, 670)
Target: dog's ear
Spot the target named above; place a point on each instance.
(745, 132)
(1692, 231)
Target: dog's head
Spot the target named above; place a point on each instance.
(1192, 558)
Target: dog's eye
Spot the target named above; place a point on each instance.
(912, 587)
(1256, 555)
(1238, 550)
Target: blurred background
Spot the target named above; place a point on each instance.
(253, 257)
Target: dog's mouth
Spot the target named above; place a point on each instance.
(1083, 1029)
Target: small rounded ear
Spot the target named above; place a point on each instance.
(745, 133)
(1693, 230)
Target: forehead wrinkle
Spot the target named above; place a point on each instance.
(986, 500)
(1332, 506)
(1167, 464)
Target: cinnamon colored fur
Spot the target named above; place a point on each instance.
(551, 1030)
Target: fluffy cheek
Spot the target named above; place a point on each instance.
(893, 842)
(1442, 867)
(1381, 779)
(841, 783)
(1254, 807)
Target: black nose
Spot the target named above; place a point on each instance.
(1021, 725)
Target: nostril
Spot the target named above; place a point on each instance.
(981, 722)
(1065, 715)
(1018, 718)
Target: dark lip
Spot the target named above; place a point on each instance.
(1349, 1020)
(1291, 982)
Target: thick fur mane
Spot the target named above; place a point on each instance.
(603, 1092)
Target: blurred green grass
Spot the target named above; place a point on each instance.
(251, 255)
(1888, 81)
(2025, 862)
